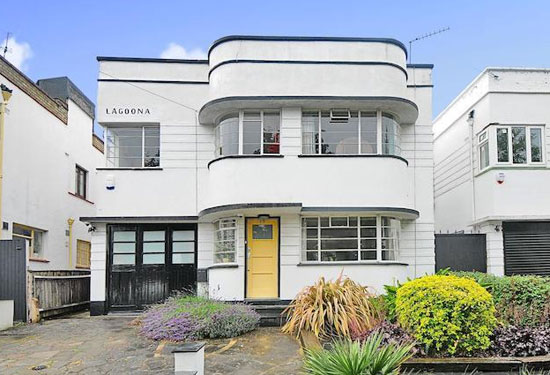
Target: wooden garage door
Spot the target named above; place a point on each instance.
(527, 248)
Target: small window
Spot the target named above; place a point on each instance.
(34, 238)
(520, 144)
(483, 151)
(536, 145)
(262, 232)
(124, 247)
(154, 246)
(83, 252)
(81, 182)
(133, 147)
(502, 145)
(225, 246)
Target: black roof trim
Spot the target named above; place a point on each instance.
(306, 156)
(152, 60)
(421, 66)
(311, 62)
(306, 39)
(227, 207)
(136, 219)
(152, 81)
(254, 156)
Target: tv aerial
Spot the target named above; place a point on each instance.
(425, 36)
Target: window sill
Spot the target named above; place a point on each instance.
(79, 197)
(223, 265)
(261, 156)
(353, 156)
(82, 267)
(40, 260)
(512, 167)
(372, 263)
(129, 169)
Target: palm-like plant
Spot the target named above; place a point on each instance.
(331, 308)
(355, 358)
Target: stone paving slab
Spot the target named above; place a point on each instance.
(82, 344)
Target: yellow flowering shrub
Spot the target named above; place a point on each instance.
(448, 314)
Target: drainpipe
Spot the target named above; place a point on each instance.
(6, 95)
(472, 166)
(70, 222)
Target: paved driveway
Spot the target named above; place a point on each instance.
(82, 344)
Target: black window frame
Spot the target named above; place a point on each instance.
(81, 191)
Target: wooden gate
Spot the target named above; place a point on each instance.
(13, 276)
(461, 252)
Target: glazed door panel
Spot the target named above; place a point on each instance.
(262, 258)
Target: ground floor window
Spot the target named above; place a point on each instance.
(349, 238)
(34, 238)
(225, 246)
(83, 249)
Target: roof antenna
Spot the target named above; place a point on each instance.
(424, 37)
(5, 50)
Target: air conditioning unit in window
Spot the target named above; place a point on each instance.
(339, 116)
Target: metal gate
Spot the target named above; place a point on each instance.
(13, 276)
(527, 248)
(461, 252)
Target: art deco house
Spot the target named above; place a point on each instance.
(491, 168)
(249, 175)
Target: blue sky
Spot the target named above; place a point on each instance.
(58, 38)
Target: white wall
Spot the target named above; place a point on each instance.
(40, 153)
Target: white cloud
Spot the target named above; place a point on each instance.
(176, 51)
(18, 53)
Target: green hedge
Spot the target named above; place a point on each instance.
(448, 314)
(519, 300)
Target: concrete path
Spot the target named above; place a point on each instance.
(82, 344)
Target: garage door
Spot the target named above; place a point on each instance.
(527, 248)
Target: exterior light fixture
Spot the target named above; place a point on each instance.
(6, 93)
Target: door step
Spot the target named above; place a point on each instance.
(271, 311)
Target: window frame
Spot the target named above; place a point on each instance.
(483, 143)
(219, 229)
(240, 136)
(141, 126)
(78, 171)
(379, 239)
(528, 145)
(32, 239)
(360, 114)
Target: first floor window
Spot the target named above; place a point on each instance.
(81, 177)
(519, 144)
(341, 132)
(133, 146)
(83, 252)
(483, 150)
(349, 238)
(225, 247)
(248, 133)
(34, 238)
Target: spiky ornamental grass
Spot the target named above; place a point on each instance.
(332, 308)
(183, 318)
(355, 358)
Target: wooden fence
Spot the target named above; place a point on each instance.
(58, 292)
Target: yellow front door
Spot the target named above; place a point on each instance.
(262, 279)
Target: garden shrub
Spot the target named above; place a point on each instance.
(448, 314)
(332, 308)
(519, 300)
(370, 357)
(512, 341)
(191, 318)
(391, 334)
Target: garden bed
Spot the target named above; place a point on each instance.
(464, 364)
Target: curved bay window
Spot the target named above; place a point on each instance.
(350, 238)
(248, 133)
(341, 132)
(225, 247)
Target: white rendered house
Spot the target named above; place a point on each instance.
(49, 160)
(249, 175)
(491, 168)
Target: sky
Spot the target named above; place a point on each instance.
(62, 38)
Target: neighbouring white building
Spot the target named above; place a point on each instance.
(49, 160)
(251, 174)
(491, 167)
